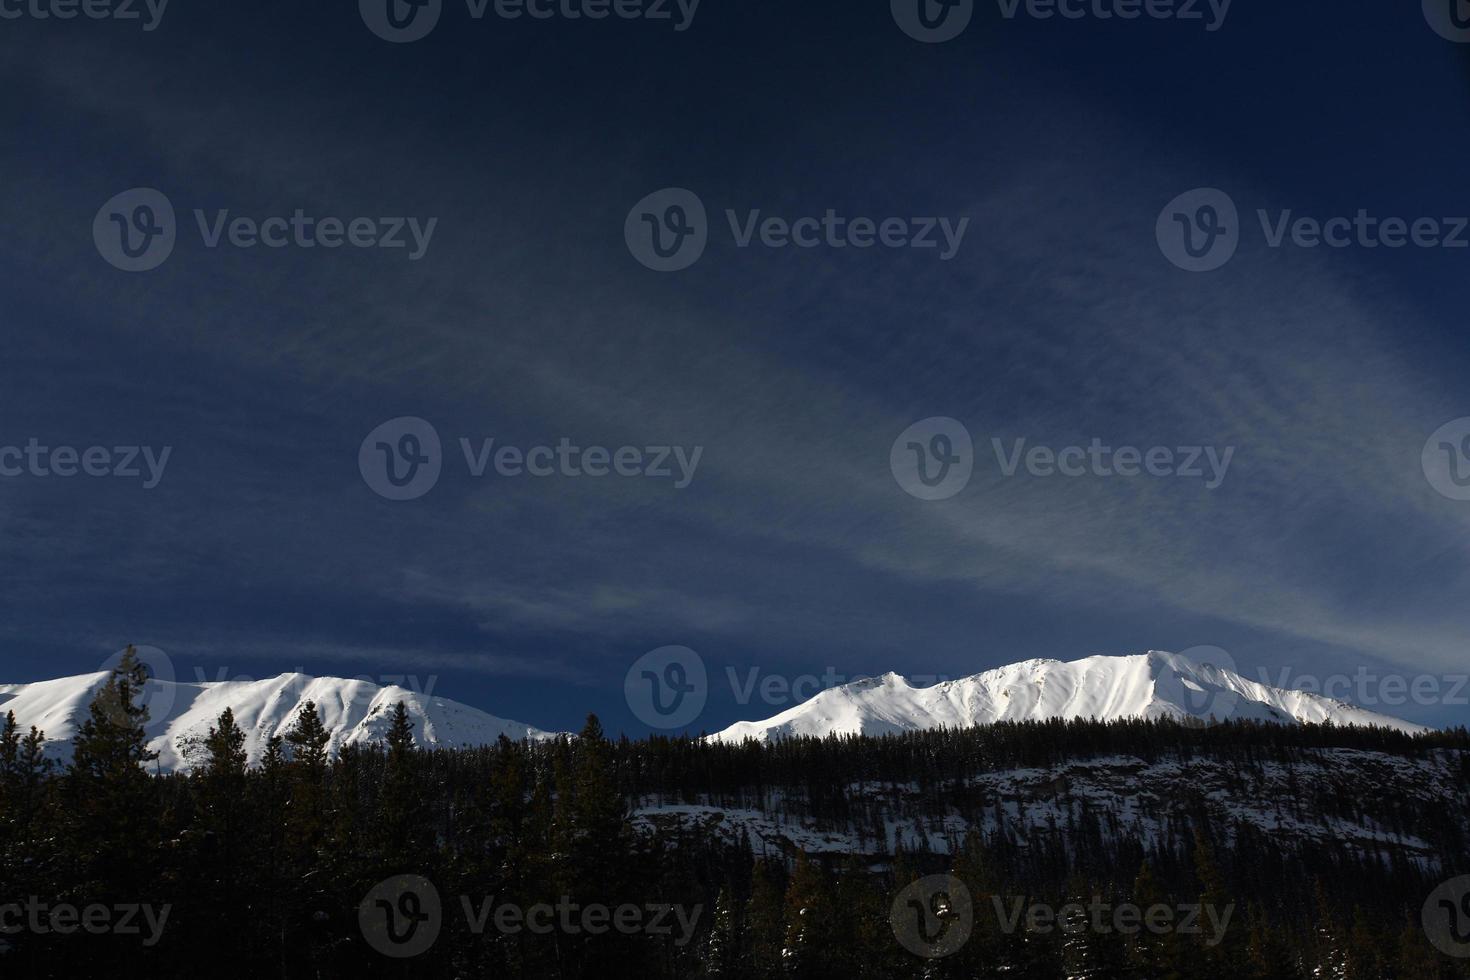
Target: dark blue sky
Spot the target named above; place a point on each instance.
(1324, 552)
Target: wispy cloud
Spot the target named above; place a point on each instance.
(1059, 322)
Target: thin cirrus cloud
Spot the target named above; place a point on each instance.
(1051, 329)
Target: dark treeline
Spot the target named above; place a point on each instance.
(262, 868)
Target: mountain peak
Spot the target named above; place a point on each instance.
(1155, 684)
(354, 711)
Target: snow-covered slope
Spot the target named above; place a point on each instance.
(1151, 685)
(354, 711)
(1145, 801)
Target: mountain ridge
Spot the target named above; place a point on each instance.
(1155, 684)
(354, 712)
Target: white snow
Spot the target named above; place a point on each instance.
(181, 713)
(1150, 685)
(1132, 798)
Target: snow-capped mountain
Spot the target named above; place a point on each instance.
(1150, 685)
(181, 713)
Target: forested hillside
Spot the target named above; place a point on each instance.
(1304, 851)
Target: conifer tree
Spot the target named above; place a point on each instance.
(809, 920)
(1269, 955)
(222, 786)
(1365, 960)
(765, 919)
(594, 821)
(987, 950)
(307, 817)
(111, 804)
(403, 829)
(22, 765)
(112, 744)
(722, 947)
(1150, 954)
(1330, 945)
(225, 745)
(33, 765)
(1414, 958)
(273, 759)
(400, 735)
(1225, 960)
(9, 751)
(308, 739)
